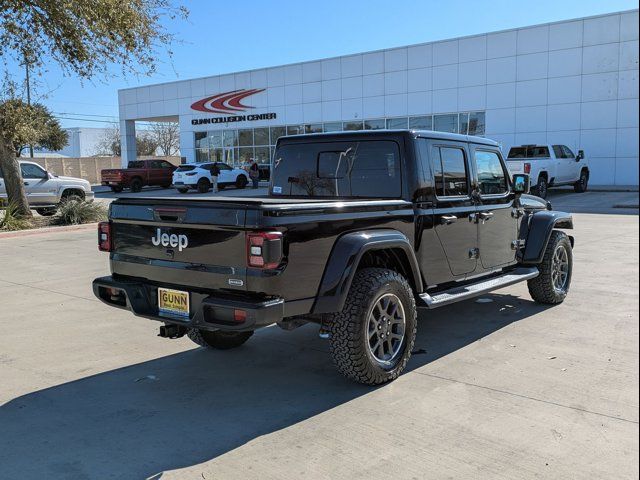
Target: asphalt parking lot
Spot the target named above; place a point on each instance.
(504, 389)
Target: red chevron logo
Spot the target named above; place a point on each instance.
(228, 102)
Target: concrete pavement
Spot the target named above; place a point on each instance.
(506, 389)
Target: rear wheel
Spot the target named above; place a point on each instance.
(241, 181)
(219, 340)
(136, 185)
(47, 211)
(542, 188)
(581, 185)
(552, 285)
(204, 185)
(116, 188)
(372, 338)
(183, 190)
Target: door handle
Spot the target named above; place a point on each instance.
(448, 219)
(26, 183)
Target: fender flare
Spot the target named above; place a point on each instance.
(538, 233)
(345, 258)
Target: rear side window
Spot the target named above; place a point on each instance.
(136, 164)
(368, 168)
(450, 172)
(492, 178)
(185, 168)
(529, 151)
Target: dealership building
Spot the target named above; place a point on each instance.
(573, 82)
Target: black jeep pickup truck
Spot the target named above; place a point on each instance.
(358, 230)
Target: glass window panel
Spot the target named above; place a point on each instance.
(333, 127)
(230, 138)
(245, 137)
(464, 123)
(477, 123)
(374, 124)
(201, 140)
(446, 123)
(262, 154)
(216, 155)
(557, 149)
(295, 129)
(202, 154)
(261, 136)
(276, 133)
(567, 152)
(215, 138)
(450, 172)
(350, 126)
(421, 123)
(397, 123)
(313, 128)
(492, 178)
(246, 156)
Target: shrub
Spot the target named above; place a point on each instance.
(75, 212)
(10, 220)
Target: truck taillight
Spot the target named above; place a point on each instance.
(264, 249)
(527, 168)
(104, 236)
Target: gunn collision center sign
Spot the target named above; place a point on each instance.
(228, 103)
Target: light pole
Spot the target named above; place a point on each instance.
(26, 67)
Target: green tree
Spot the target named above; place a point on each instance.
(85, 38)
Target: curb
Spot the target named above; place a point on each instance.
(45, 230)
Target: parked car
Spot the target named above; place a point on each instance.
(357, 231)
(45, 190)
(139, 173)
(550, 166)
(198, 176)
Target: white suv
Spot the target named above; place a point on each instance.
(198, 176)
(45, 190)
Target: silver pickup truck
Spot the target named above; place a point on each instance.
(45, 190)
(550, 166)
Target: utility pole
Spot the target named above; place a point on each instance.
(26, 66)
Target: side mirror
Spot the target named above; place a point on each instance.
(580, 155)
(521, 183)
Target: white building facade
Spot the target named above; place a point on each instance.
(573, 82)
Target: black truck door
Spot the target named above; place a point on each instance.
(496, 214)
(454, 207)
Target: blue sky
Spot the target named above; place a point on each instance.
(225, 36)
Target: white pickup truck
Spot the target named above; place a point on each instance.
(550, 166)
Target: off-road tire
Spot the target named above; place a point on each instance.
(116, 188)
(541, 288)
(136, 185)
(581, 185)
(218, 340)
(348, 329)
(204, 185)
(241, 182)
(542, 188)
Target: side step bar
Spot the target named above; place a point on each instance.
(475, 289)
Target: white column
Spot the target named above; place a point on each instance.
(128, 141)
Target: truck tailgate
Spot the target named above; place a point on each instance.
(516, 166)
(196, 244)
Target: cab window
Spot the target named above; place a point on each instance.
(450, 172)
(492, 178)
(29, 170)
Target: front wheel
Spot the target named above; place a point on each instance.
(218, 340)
(116, 188)
(581, 185)
(46, 211)
(183, 190)
(552, 285)
(372, 337)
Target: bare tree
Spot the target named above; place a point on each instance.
(146, 142)
(167, 137)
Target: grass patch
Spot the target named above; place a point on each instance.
(10, 220)
(76, 212)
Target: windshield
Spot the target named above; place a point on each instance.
(338, 169)
(529, 151)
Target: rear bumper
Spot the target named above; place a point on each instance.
(207, 311)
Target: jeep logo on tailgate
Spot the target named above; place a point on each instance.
(173, 240)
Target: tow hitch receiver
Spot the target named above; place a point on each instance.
(172, 331)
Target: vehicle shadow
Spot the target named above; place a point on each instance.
(188, 408)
